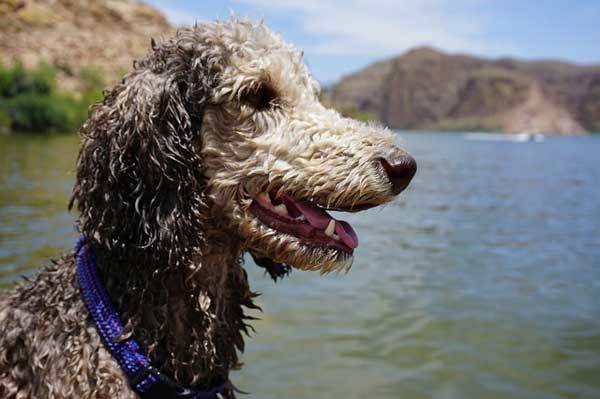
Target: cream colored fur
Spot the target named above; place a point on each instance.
(170, 162)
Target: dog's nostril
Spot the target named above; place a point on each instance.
(400, 169)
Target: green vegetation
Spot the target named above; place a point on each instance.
(354, 113)
(466, 125)
(30, 102)
(349, 111)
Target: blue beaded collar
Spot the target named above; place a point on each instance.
(144, 379)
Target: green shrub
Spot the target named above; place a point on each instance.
(29, 101)
(43, 80)
(17, 81)
(34, 113)
(91, 79)
(12, 81)
(92, 89)
(4, 122)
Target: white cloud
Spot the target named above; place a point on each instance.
(339, 36)
(376, 27)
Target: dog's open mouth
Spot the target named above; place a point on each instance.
(306, 220)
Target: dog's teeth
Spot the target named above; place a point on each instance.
(330, 228)
(336, 237)
(281, 210)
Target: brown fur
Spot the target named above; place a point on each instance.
(169, 163)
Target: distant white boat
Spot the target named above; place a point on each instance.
(516, 137)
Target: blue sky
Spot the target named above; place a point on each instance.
(342, 36)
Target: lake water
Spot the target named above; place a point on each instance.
(482, 281)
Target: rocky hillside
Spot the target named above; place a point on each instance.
(428, 89)
(422, 89)
(78, 35)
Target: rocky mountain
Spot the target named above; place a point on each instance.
(428, 89)
(422, 89)
(105, 35)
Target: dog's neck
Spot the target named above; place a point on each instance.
(189, 318)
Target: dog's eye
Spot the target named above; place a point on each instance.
(260, 98)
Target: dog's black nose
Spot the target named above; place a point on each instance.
(399, 167)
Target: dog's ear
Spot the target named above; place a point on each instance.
(139, 173)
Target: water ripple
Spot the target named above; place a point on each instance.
(481, 281)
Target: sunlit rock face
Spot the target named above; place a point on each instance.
(105, 36)
(428, 89)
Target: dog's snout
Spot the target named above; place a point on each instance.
(400, 168)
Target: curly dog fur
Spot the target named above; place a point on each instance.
(170, 164)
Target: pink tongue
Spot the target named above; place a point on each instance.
(346, 233)
(319, 218)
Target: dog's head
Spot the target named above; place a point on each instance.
(224, 122)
